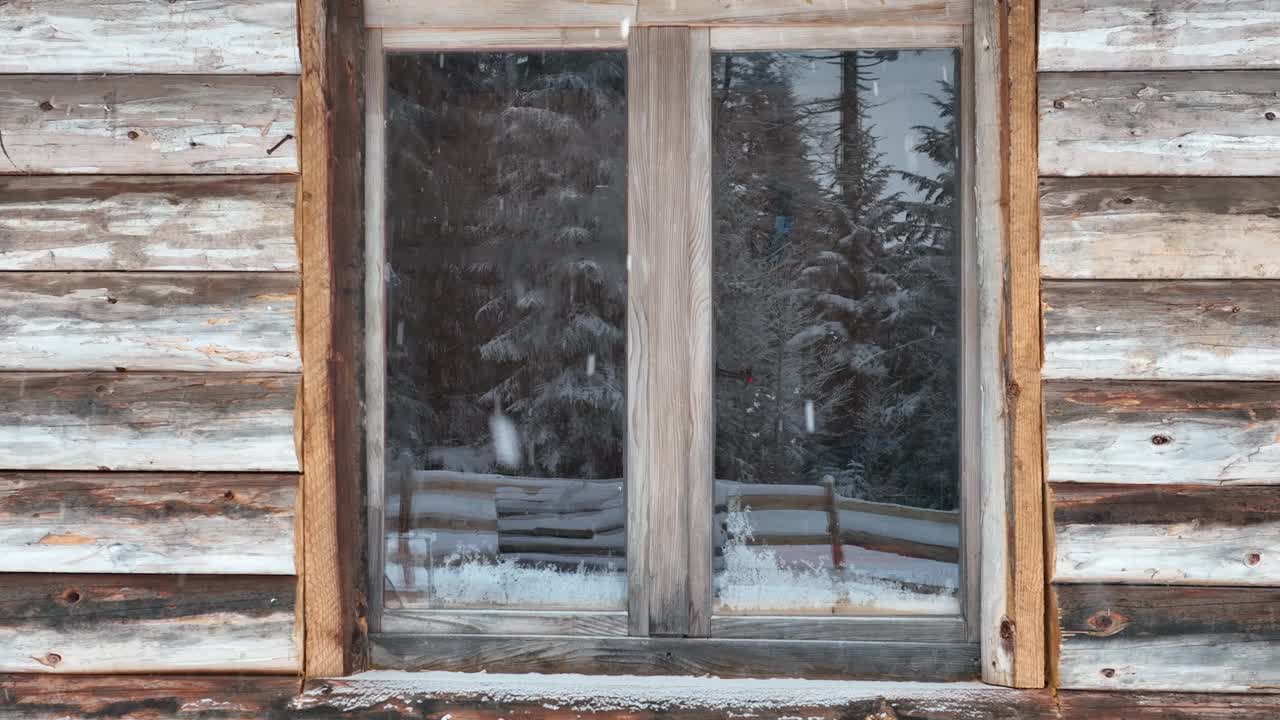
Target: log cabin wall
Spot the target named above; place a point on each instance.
(1160, 257)
(150, 360)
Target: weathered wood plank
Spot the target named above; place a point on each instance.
(1175, 330)
(1167, 534)
(180, 124)
(147, 421)
(1086, 705)
(672, 656)
(148, 223)
(132, 697)
(1203, 639)
(149, 321)
(420, 39)
(1140, 123)
(1156, 432)
(670, 436)
(835, 37)
(1154, 228)
(848, 628)
(147, 523)
(499, 13)
(801, 12)
(147, 623)
(1080, 35)
(144, 36)
(504, 622)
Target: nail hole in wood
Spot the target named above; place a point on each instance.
(112, 300)
(1252, 558)
(1126, 201)
(1161, 439)
(229, 495)
(1059, 105)
(133, 134)
(1270, 115)
(46, 106)
(71, 596)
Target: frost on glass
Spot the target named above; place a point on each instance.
(506, 339)
(836, 293)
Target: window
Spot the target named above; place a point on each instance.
(671, 351)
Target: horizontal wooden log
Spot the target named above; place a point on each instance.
(1140, 123)
(498, 622)
(1167, 534)
(654, 656)
(143, 36)
(147, 421)
(149, 321)
(1170, 35)
(1156, 228)
(147, 623)
(147, 223)
(1086, 705)
(1202, 639)
(133, 697)
(138, 124)
(1175, 330)
(1155, 432)
(801, 12)
(854, 628)
(220, 523)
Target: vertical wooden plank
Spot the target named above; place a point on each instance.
(1027, 578)
(669, 333)
(331, 195)
(375, 363)
(997, 663)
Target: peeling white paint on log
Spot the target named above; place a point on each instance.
(1162, 35)
(1219, 662)
(146, 421)
(1151, 228)
(1143, 123)
(182, 124)
(220, 523)
(150, 36)
(1175, 330)
(148, 223)
(1146, 433)
(1177, 553)
(149, 321)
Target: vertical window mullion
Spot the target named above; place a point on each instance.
(669, 333)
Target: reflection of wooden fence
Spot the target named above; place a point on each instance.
(581, 522)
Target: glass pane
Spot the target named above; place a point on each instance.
(836, 329)
(506, 348)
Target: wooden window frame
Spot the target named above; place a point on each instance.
(1004, 539)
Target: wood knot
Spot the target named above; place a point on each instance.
(1006, 632)
(111, 300)
(1126, 201)
(133, 135)
(1252, 559)
(1059, 105)
(50, 660)
(1012, 391)
(1108, 672)
(1106, 623)
(228, 495)
(1270, 115)
(46, 106)
(1161, 439)
(71, 596)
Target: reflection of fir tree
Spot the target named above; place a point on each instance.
(513, 278)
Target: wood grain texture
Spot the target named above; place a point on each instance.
(504, 38)
(671, 656)
(148, 223)
(1160, 228)
(1146, 123)
(1080, 35)
(1026, 609)
(1161, 432)
(147, 623)
(181, 124)
(1176, 330)
(143, 36)
(134, 697)
(801, 12)
(147, 421)
(849, 628)
(836, 37)
(222, 523)
(670, 434)
(149, 321)
(499, 13)
(1167, 534)
(504, 622)
(1200, 639)
(330, 233)
(375, 319)
(1087, 705)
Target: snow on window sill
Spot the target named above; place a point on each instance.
(603, 693)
